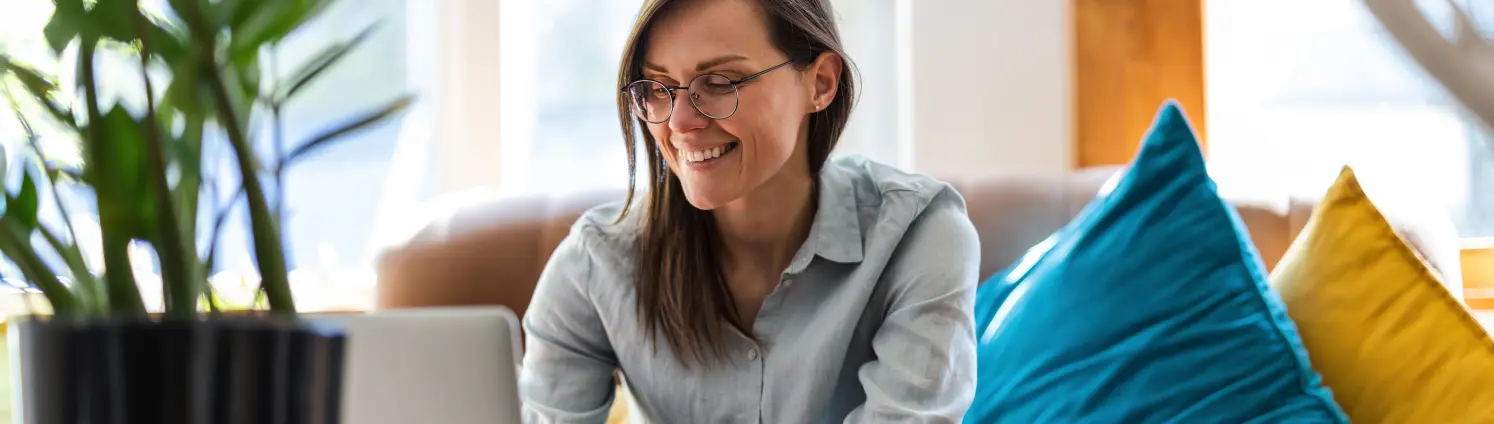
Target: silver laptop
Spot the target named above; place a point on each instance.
(440, 365)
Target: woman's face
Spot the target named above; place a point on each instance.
(719, 161)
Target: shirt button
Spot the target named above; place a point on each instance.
(752, 354)
(788, 282)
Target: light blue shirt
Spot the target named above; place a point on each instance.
(873, 321)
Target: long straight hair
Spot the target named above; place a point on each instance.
(681, 287)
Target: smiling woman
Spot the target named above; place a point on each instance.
(754, 278)
(561, 135)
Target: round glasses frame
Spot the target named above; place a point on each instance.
(735, 93)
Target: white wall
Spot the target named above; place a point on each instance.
(865, 28)
(987, 86)
(949, 87)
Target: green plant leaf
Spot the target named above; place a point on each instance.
(233, 13)
(168, 42)
(15, 243)
(89, 293)
(42, 90)
(68, 20)
(354, 125)
(115, 18)
(184, 92)
(117, 172)
(23, 206)
(246, 70)
(38, 85)
(321, 62)
(270, 22)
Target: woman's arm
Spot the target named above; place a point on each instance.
(568, 360)
(925, 348)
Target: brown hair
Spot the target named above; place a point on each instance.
(681, 288)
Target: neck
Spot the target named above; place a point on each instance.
(766, 227)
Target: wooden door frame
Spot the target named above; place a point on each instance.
(1129, 56)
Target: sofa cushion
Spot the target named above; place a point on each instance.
(1150, 306)
(1391, 341)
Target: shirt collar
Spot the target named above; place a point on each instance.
(835, 233)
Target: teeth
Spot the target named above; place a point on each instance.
(702, 155)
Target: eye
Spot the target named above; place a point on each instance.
(713, 85)
(719, 87)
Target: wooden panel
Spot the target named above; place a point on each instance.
(1130, 55)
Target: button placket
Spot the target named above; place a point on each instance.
(751, 381)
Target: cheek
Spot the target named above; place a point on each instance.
(770, 129)
(661, 141)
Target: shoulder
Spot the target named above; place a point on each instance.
(921, 202)
(923, 219)
(599, 243)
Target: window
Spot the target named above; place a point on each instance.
(559, 94)
(1298, 89)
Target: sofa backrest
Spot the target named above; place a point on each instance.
(493, 252)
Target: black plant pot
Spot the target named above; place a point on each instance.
(230, 370)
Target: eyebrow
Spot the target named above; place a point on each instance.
(702, 65)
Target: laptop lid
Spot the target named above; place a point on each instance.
(453, 365)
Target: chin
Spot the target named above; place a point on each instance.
(708, 199)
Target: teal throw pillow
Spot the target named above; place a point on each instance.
(1150, 306)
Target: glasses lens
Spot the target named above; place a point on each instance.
(651, 101)
(714, 95)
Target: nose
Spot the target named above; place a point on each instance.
(684, 117)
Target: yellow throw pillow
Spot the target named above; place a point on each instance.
(1390, 341)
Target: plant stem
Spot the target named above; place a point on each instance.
(92, 296)
(278, 127)
(274, 278)
(124, 294)
(15, 244)
(279, 170)
(179, 283)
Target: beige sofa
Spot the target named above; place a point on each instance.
(492, 253)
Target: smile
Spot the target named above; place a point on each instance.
(707, 155)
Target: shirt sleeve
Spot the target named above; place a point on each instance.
(925, 348)
(568, 361)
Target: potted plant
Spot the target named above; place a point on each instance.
(100, 355)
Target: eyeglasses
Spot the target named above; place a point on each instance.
(714, 95)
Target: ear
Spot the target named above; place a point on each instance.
(824, 74)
